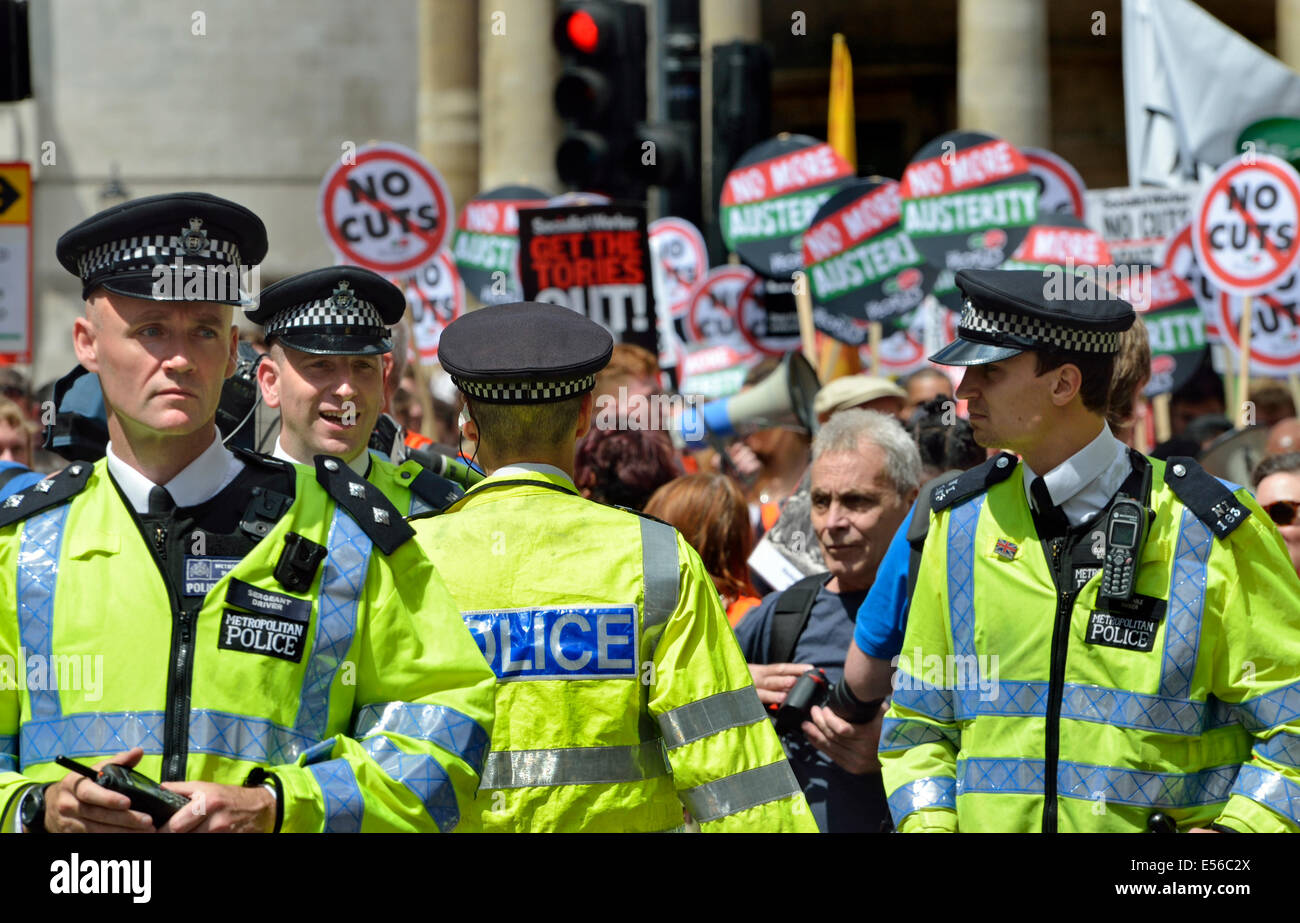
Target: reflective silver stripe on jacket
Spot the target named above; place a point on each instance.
(1271, 789)
(704, 717)
(454, 732)
(659, 565)
(343, 581)
(722, 797)
(574, 766)
(1186, 604)
(37, 580)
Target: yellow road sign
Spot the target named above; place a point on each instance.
(15, 193)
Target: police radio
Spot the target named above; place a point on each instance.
(1126, 526)
(1124, 532)
(146, 795)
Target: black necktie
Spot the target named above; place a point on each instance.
(1048, 512)
(160, 502)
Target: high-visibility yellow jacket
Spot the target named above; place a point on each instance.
(622, 693)
(363, 694)
(998, 702)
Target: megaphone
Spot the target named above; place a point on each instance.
(783, 398)
(1234, 455)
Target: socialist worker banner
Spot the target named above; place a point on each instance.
(594, 259)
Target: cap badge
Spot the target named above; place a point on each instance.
(343, 297)
(194, 238)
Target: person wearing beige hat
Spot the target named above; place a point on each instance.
(866, 392)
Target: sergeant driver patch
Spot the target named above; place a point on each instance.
(276, 626)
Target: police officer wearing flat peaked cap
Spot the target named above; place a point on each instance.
(330, 349)
(622, 693)
(220, 599)
(1111, 599)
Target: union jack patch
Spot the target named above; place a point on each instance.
(1006, 549)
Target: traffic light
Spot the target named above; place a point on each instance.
(601, 94)
(15, 70)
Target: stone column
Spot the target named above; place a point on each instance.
(1288, 33)
(447, 121)
(1002, 74)
(518, 67)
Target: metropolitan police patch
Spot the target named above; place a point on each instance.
(1129, 632)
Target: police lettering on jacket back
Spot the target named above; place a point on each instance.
(557, 642)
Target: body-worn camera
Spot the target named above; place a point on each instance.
(815, 688)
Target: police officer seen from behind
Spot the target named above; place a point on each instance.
(1109, 641)
(328, 332)
(260, 636)
(865, 472)
(621, 692)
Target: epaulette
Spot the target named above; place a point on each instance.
(919, 527)
(52, 491)
(974, 482)
(1205, 495)
(438, 492)
(365, 503)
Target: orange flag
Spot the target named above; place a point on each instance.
(840, 122)
(833, 357)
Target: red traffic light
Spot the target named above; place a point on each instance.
(590, 29)
(583, 32)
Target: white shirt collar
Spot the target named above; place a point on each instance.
(360, 465)
(198, 482)
(1083, 484)
(519, 468)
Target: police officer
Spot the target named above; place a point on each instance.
(622, 693)
(328, 332)
(261, 637)
(1108, 641)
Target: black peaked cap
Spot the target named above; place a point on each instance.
(120, 247)
(524, 353)
(1008, 311)
(341, 310)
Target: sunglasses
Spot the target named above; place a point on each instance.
(1283, 512)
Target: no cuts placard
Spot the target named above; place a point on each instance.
(388, 212)
(1245, 229)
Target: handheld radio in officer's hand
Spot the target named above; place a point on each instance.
(146, 795)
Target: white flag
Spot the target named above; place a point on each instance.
(1191, 85)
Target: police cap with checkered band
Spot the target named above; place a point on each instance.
(339, 311)
(524, 353)
(123, 247)
(1006, 312)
